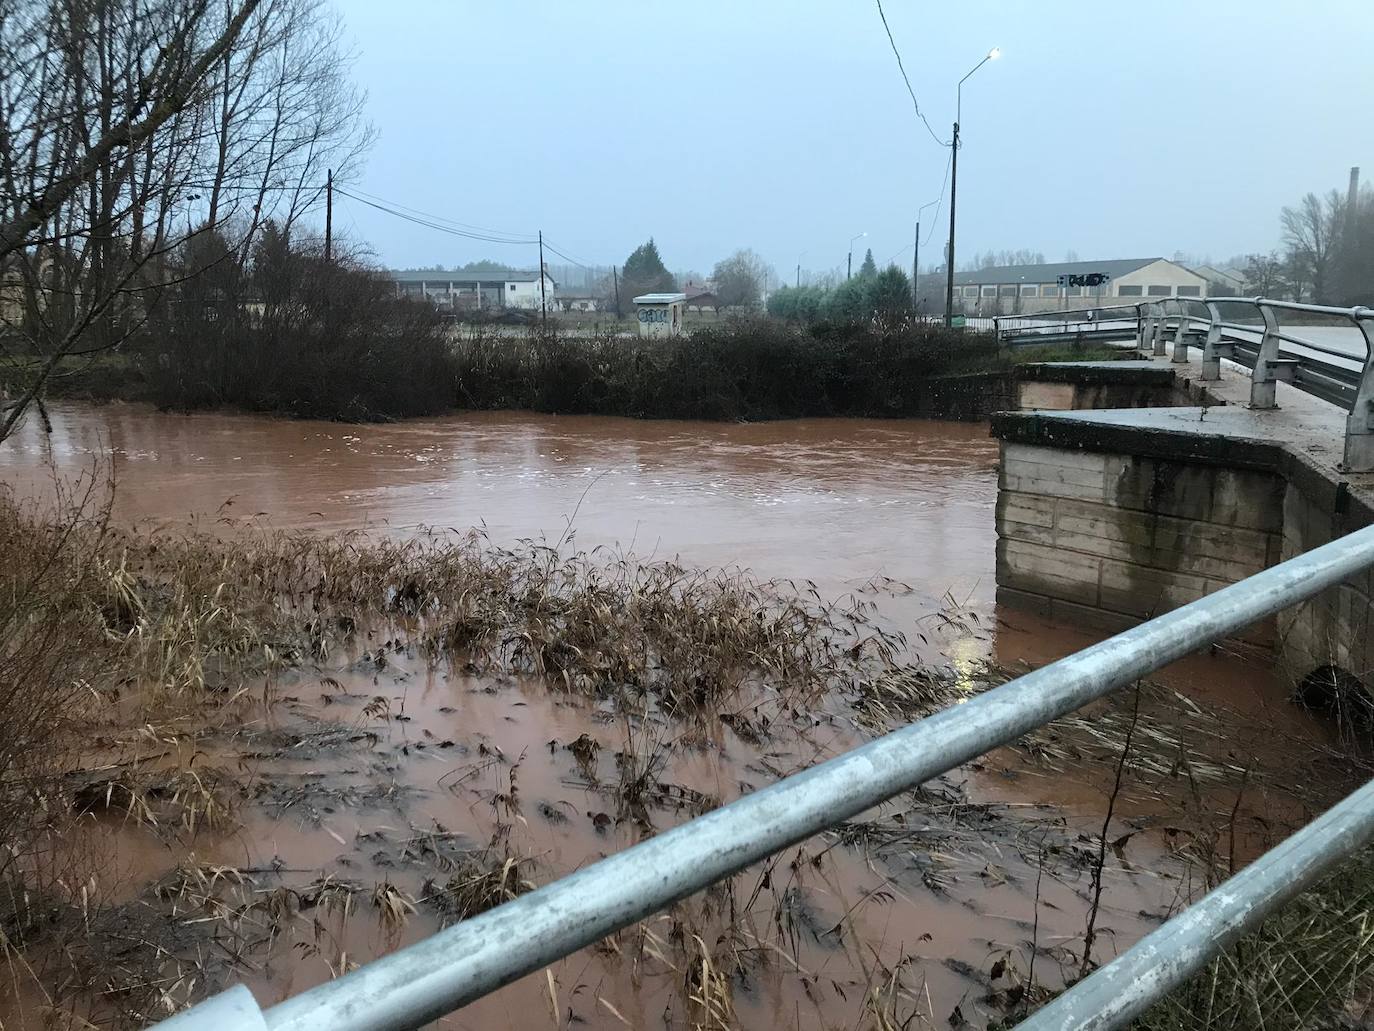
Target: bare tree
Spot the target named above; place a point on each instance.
(129, 126)
(741, 279)
(1310, 232)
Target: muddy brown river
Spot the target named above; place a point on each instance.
(902, 512)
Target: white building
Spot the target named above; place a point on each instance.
(1224, 281)
(1014, 289)
(511, 289)
(660, 315)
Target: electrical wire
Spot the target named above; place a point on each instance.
(939, 201)
(902, 68)
(431, 223)
(433, 217)
(567, 257)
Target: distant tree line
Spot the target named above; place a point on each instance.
(133, 127)
(277, 328)
(1327, 254)
(871, 296)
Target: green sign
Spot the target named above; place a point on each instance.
(957, 322)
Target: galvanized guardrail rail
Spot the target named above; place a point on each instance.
(1326, 355)
(444, 972)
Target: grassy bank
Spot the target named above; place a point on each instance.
(743, 369)
(736, 370)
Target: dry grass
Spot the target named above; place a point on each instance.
(1309, 966)
(182, 632)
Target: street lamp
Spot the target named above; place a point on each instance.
(849, 266)
(992, 55)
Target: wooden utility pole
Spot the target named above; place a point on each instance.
(916, 268)
(616, 280)
(543, 303)
(329, 216)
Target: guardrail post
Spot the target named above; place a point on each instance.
(1265, 377)
(1142, 328)
(1158, 339)
(1211, 358)
(1185, 323)
(1359, 424)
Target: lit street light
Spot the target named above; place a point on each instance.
(992, 55)
(849, 266)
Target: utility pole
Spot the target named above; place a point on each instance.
(799, 275)
(949, 263)
(993, 54)
(616, 280)
(328, 216)
(916, 267)
(849, 266)
(543, 303)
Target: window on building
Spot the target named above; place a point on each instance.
(970, 291)
(1075, 291)
(1160, 291)
(510, 286)
(1127, 291)
(989, 291)
(1029, 290)
(1049, 290)
(1190, 291)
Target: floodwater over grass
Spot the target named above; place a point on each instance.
(355, 683)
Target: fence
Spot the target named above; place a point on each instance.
(476, 956)
(1323, 351)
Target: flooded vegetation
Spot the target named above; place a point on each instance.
(270, 753)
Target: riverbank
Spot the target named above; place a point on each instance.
(268, 756)
(738, 370)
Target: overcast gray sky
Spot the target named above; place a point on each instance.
(1112, 129)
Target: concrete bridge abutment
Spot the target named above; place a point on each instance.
(1108, 517)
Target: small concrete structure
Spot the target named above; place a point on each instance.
(1109, 517)
(660, 315)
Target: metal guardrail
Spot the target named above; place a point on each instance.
(1273, 352)
(476, 956)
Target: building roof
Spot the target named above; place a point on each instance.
(1213, 273)
(435, 276)
(1048, 273)
(660, 298)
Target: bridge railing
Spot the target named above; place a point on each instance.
(1070, 325)
(476, 956)
(1322, 350)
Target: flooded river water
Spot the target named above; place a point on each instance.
(902, 512)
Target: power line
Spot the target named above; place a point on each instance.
(431, 223)
(433, 217)
(567, 257)
(935, 218)
(902, 68)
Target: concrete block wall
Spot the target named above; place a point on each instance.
(1106, 540)
(1333, 629)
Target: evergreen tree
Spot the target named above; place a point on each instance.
(869, 269)
(890, 294)
(645, 273)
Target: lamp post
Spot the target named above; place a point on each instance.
(992, 55)
(849, 264)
